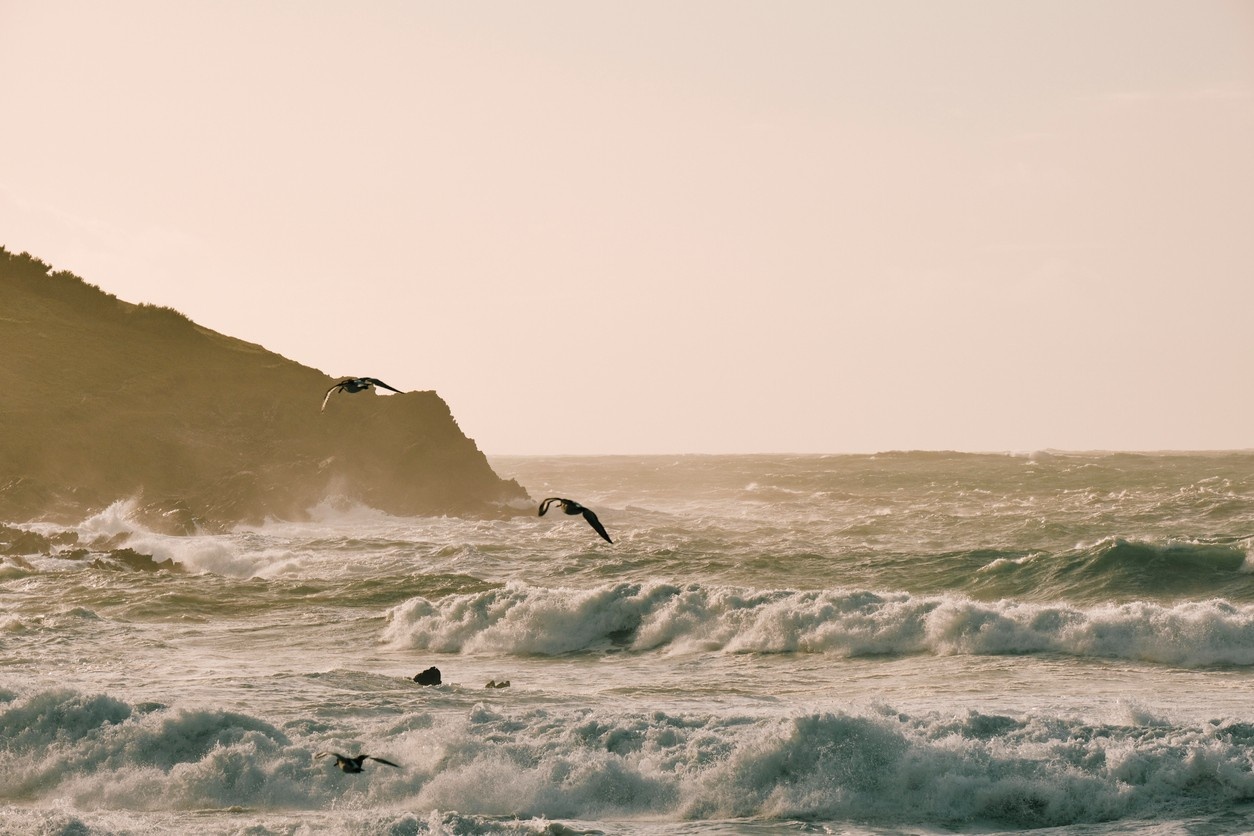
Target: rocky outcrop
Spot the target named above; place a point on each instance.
(102, 400)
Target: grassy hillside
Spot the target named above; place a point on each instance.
(103, 400)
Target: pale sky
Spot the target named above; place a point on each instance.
(670, 227)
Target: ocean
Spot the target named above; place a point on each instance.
(901, 643)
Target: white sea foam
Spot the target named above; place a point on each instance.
(728, 658)
(116, 519)
(520, 619)
(879, 765)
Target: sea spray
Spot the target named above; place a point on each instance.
(519, 619)
(878, 766)
(857, 644)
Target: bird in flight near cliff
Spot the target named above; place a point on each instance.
(353, 765)
(355, 384)
(570, 506)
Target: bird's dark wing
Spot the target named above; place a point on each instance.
(596, 524)
(381, 760)
(378, 382)
(544, 506)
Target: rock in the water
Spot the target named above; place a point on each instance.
(431, 676)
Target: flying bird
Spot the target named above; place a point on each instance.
(353, 385)
(570, 506)
(353, 765)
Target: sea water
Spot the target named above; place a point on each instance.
(902, 643)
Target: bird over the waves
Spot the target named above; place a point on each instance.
(570, 506)
(355, 384)
(353, 765)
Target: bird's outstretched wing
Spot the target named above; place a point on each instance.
(330, 392)
(544, 506)
(378, 382)
(335, 755)
(596, 524)
(381, 760)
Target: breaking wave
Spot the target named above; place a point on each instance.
(520, 619)
(878, 766)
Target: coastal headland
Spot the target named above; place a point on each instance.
(102, 400)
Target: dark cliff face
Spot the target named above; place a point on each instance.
(102, 400)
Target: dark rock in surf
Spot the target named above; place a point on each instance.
(431, 676)
(18, 541)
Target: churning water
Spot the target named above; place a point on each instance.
(909, 642)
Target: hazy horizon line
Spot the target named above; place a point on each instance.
(1048, 451)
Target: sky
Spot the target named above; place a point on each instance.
(675, 227)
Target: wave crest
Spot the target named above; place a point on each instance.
(524, 620)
